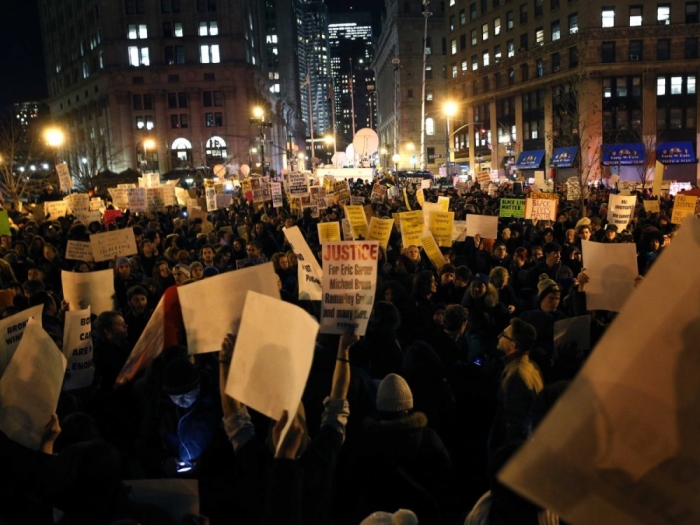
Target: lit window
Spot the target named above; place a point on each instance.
(208, 29)
(177, 30)
(453, 46)
(511, 48)
(608, 17)
(454, 70)
(663, 14)
(475, 63)
(485, 58)
(573, 23)
(464, 65)
(485, 32)
(621, 87)
(138, 56)
(556, 31)
(676, 85)
(452, 2)
(497, 53)
(209, 54)
(691, 85)
(497, 26)
(635, 15)
(661, 85)
(136, 31)
(429, 126)
(539, 36)
(607, 88)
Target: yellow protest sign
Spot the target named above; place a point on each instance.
(444, 203)
(652, 206)
(411, 227)
(683, 206)
(358, 220)
(658, 179)
(420, 196)
(405, 199)
(441, 225)
(432, 250)
(328, 232)
(380, 230)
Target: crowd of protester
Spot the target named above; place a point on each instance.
(457, 368)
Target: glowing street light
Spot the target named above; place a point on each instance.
(258, 112)
(54, 137)
(450, 110)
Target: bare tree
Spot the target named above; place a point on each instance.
(88, 158)
(19, 148)
(577, 117)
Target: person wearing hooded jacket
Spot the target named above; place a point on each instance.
(481, 300)
(404, 463)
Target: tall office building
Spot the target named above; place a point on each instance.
(314, 64)
(354, 93)
(613, 80)
(184, 74)
(399, 85)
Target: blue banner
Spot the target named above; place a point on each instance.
(623, 154)
(676, 153)
(563, 157)
(530, 160)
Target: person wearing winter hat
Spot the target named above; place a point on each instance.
(210, 271)
(553, 267)
(123, 280)
(403, 462)
(611, 234)
(548, 294)
(181, 272)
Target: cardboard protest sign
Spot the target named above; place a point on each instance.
(347, 230)
(542, 207)
(55, 209)
(110, 245)
(169, 195)
(93, 289)
(612, 269)
(181, 195)
(573, 330)
(328, 232)
(212, 308)
(77, 348)
(178, 497)
(540, 180)
(276, 191)
(79, 203)
(65, 181)
(425, 184)
(349, 285)
(658, 179)
(341, 192)
(147, 348)
(11, 330)
(683, 206)
(444, 203)
(459, 231)
(358, 221)
(412, 226)
(484, 178)
(155, 199)
(573, 189)
(405, 200)
(432, 250)
(620, 445)
(120, 198)
(420, 197)
(261, 189)
(441, 226)
(30, 387)
(309, 272)
(5, 223)
(79, 251)
(137, 199)
(428, 209)
(511, 208)
(621, 210)
(380, 230)
(298, 184)
(378, 193)
(210, 195)
(197, 213)
(270, 368)
(652, 206)
(485, 226)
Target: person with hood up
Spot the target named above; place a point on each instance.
(481, 300)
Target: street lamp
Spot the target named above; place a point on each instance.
(147, 144)
(259, 120)
(54, 138)
(450, 110)
(396, 158)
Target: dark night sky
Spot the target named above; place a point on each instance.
(21, 56)
(22, 74)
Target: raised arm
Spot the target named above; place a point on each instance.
(341, 374)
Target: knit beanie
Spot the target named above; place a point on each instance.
(394, 394)
(546, 286)
(583, 222)
(180, 377)
(211, 271)
(122, 261)
(184, 269)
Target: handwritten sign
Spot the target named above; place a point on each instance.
(298, 184)
(155, 199)
(79, 251)
(512, 208)
(432, 250)
(65, 181)
(683, 206)
(378, 193)
(485, 226)
(542, 207)
(441, 226)
(621, 210)
(412, 227)
(358, 221)
(109, 245)
(137, 199)
(77, 348)
(328, 232)
(309, 272)
(652, 206)
(380, 230)
(276, 191)
(55, 209)
(349, 285)
(484, 178)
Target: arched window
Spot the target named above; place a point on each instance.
(429, 126)
(181, 152)
(216, 148)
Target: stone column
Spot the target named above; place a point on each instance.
(126, 126)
